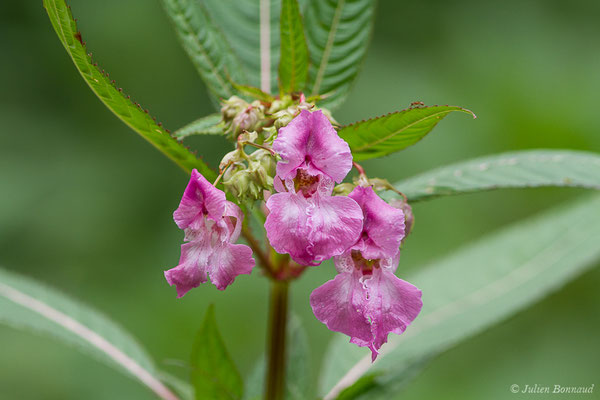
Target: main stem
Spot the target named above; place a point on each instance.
(277, 333)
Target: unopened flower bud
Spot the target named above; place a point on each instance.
(230, 158)
(238, 183)
(232, 107)
(283, 118)
(266, 160)
(343, 189)
(249, 119)
(409, 218)
(261, 176)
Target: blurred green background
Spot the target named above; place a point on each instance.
(86, 205)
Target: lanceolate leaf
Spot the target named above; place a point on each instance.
(206, 46)
(240, 22)
(530, 168)
(338, 34)
(209, 125)
(387, 134)
(214, 375)
(473, 289)
(130, 113)
(293, 61)
(26, 304)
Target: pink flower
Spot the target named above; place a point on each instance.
(366, 301)
(211, 224)
(305, 221)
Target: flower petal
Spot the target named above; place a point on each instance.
(228, 261)
(287, 226)
(335, 225)
(192, 268)
(309, 141)
(383, 228)
(393, 305)
(199, 198)
(234, 227)
(341, 304)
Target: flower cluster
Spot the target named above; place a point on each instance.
(304, 219)
(211, 225)
(299, 160)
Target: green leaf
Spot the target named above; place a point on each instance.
(254, 93)
(338, 33)
(240, 21)
(206, 46)
(214, 375)
(298, 384)
(520, 169)
(387, 134)
(209, 125)
(182, 388)
(26, 304)
(293, 59)
(130, 113)
(473, 289)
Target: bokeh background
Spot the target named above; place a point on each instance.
(86, 205)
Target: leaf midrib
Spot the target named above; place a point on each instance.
(328, 47)
(212, 67)
(364, 364)
(383, 139)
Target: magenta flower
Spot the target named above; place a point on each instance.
(366, 301)
(211, 224)
(305, 221)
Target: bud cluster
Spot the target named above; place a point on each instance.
(247, 174)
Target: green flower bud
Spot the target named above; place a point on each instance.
(249, 119)
(242, 185)
(343, 189)
(232, 107)
(232, 157)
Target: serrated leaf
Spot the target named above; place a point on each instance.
(26, 304)
(209, 125)
(378, 137)
(520, 169)
(473, 289)
(338, 34)
(240, 22)
(130, 113)
(297, 384)
(206, 46)
(293, 58)
(214, 375)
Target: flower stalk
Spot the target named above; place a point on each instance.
(276, 345)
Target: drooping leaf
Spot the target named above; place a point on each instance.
(214, 375)
(206, 46)
(209, 125)
(338, 34)
(240, 21)
(473, 289)
(26, 304)
(184, 390)
(529, 168)
(254, 93)
(298, 385)
(293, 61)
(390, 133)
(129, 112)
